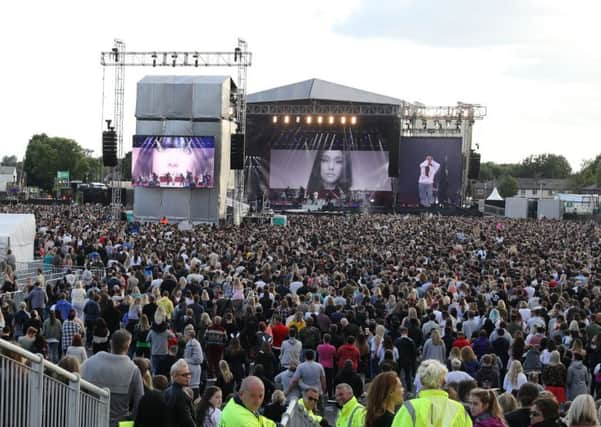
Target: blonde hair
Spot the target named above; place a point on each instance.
(515, 369)
(224, 368)
(582, 411)
(455, 353)
(431, 374)
(435, 336)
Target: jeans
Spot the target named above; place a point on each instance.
(426, 194)
(53, 352)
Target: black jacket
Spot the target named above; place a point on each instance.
(407, 351)
(179, 407)
(152, 410)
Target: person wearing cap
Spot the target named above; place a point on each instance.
(194, 356)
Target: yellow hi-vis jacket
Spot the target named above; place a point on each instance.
(352, 414)
(310, 413)
(235, 414)
(432, 408)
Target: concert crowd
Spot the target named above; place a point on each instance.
(324, 308)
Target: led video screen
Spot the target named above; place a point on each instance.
(446, 175)
(329, 170)
(173, 161)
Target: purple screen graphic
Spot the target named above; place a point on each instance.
(173, 161)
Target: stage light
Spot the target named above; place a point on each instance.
(309, 120)
(275, 119)
(286, 119)
(343, 120)
(353, 120)
(297, 119)
(331, 120)
(320, 120)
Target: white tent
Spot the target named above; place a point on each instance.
(494, 195)
(17, 232)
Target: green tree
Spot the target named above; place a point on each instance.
(508, 187)
(545, 166)
(9, 160)
(46, 155)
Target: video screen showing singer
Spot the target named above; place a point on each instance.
(428, 170)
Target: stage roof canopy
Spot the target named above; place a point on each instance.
(316, 89)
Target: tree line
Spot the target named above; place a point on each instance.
(46, 155)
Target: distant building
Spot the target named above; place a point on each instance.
(8, 175)
(533, 188)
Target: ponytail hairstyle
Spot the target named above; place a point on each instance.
(489, 398)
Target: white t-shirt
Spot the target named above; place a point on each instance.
(427, 175)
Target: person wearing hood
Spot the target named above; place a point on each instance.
(578, 378)
(485, 409)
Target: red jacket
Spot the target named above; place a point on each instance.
(461, 342)
(348, 351)
(280, 333)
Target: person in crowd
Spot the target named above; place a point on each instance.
(326, 354)
(578, 378)
(348, 375)
(432, 404)
(119, 374)
(456, 375)
(291, 349)
(309, 374)
(208, 412)
(225, 379)
(507, 402)
(242, 409)
(77, 349)
(545, 413)
(70, 364)
(52, 331)
(70, 328)
(283, 381)
(194, 356)
(488, 374)
(582, 412)
(177, 400)
(348, 351)
(277, 407)
(215, 341)
(26, 341)
(152, 411)
(352, 413)
(308, 403)
(385, 395)
(434, 348)
(100, 340)
(554, 376)
(515, 377)
(485, 409)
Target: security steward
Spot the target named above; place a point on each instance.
(242, 410)
(432, 408)
(352, 413)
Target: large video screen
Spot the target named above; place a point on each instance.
(330, 155)
(446, 173)
(173, 161)
(329, 170)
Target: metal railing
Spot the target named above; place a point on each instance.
(36, 393)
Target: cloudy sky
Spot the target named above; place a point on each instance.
(536, 64)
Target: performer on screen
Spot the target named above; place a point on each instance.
(428, 169)
(331, 174)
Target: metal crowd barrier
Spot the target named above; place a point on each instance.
(296, 417)
(36, 393)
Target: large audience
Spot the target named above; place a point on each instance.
(510, 308)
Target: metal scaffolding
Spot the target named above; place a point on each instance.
(119, 58)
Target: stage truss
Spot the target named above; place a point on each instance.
(240, 58)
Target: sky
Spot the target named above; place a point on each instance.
(535, 64)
